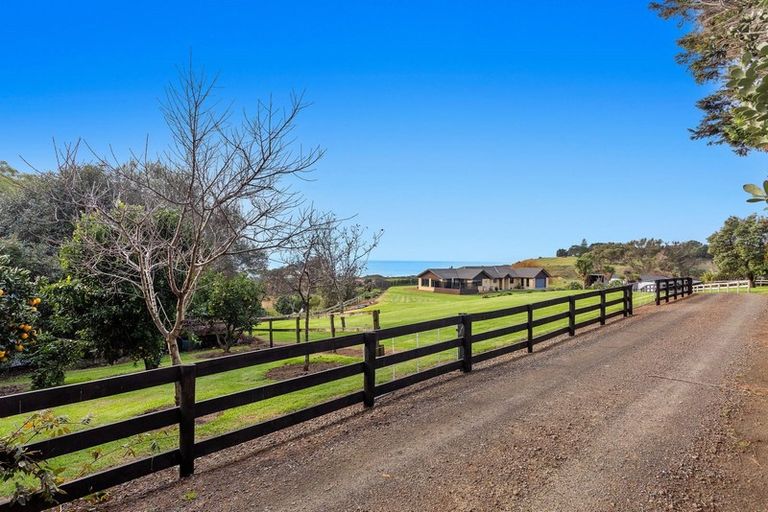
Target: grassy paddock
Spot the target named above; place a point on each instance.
(398, 306)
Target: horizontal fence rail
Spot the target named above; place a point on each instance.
(521, 320)
(723, 286)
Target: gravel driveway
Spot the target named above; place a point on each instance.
(626, 417)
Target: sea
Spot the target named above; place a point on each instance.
(406, 268)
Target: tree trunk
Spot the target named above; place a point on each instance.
(172, 342)
(306, 337)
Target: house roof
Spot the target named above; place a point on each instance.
(490, 272)
(652, 277)
(457, 273)
(529, 271)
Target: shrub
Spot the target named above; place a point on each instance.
(575, 285)
(229, 305)
(288, 304)
(371, 294)
(51, 358)
(113, 322)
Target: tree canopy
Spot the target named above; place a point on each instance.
(740, 248)
(725, 44)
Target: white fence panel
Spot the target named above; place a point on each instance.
(722, 287)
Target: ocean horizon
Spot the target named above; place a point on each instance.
(407, 268)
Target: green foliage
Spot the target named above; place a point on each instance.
(19, 466)
(369, 294)
(288, 304)
(112, 322)
(574, 285)
(643, 256)
(35, 257)
(30, 475)
(18, 309)
(51, 358)
(729, 46)
(740, 248)
(228, 304)
(574, 250)
(722, 33)
(748, 84)
(8, 176)
(585, 264)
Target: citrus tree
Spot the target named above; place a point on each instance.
(18, 309)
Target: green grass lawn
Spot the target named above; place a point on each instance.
(398, 306)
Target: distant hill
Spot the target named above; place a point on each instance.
(564, 268)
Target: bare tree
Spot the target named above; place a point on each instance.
(302, 272)
(343, 252)
(220, 191)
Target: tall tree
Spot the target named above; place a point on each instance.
(721, 33)
(740, 248)
(219, 191)
(343, 254)
(585, 265)
(302, 273)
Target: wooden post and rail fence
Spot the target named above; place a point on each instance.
(184, 414)
(723, 286)
(298, 329)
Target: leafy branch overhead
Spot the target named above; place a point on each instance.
(759, 194)
(728, 46)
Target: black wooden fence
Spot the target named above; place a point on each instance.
(674, 288)
(185, 413)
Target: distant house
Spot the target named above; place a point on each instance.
(467, 280)
(647, 282)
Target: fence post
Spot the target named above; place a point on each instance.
(624, 296)
(530, 328)
(666, 293)
(658, 292)
(465, 349)
(298, 329)
(571, 316)
(271, 335)
(602, 307)
(376, 320)
(630, 305)
(333, 326)
(369, 371)
(690, 285)
(187, 419)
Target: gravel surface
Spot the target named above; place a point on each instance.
(637, 415)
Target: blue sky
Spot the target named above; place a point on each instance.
(483, 131)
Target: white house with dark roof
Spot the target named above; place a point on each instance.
(467, 280)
